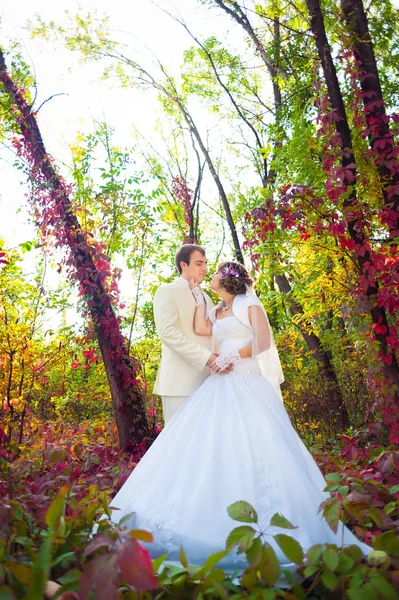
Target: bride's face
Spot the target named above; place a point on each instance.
(215, 278)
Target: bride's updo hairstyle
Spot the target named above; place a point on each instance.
(234, 278)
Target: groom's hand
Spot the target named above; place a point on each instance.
(215, 369)
(211, 361)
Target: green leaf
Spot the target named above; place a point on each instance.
(125, 518)
(183, 557)
(176, 572)
(331, 487)
(6, 593)
(265, 151)
(242, 511)
(269, 566)
(394, 489)
(390, 508)
(249, 578)
(299, 592)
(333, 477)
(262, 595)
(56, 508)
(254, 552)
(217, 575)
(278, 520)
(330, 558)
(241, 536)
(20, 571)
(314, 554)
(157, 562)
(331, 512)
(329, 579)
(288, 575)
(71, 576)
(389, 542)
(377, 558)
(213, 560)
(291, 548)
(345, 563)
(215, 586)
(311, 570)
(68, 556)
(366, 592)
(40, 571)
(375, 515)
(385, 588)
(355, 552)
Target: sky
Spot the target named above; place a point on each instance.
(85, 98)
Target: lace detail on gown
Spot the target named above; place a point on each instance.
(267, 498)
(231, 329)
(163, 527)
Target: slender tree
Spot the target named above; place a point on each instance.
(88, 265)
(336, 403)
(352, 210)
(313, 342)
(380, 137)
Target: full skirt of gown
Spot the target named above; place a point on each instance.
(231, 440)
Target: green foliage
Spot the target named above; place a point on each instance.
(114, 202)
(31, 352)
(54, 551)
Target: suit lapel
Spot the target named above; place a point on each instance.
(181, 284)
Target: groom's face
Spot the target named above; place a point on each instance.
(196, 268)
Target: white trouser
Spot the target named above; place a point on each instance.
(170, 404)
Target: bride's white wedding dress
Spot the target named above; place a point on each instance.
(231, 440)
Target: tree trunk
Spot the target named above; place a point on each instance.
(241, 18)
(218, 183)
(356, 232)
(273, 67)
(127, 397)
(313, 342)
(374, 109)
(237, 108)
(336, 401)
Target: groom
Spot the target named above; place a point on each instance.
(185, 355)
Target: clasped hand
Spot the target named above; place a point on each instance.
(215, 368)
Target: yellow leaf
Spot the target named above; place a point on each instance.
(140, 534)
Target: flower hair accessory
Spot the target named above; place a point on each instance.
(230, 272)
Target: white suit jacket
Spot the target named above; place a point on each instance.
(184, 354)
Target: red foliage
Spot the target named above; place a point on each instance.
(135, 565)
(298, 206)
(54, 213)
(184, 195)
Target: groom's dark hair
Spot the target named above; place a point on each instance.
(184, 254)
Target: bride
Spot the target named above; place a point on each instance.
(231, 440)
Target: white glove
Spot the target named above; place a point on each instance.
(198, 295)
(226, 358)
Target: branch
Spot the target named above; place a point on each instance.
(51, 97)
(240, 17)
